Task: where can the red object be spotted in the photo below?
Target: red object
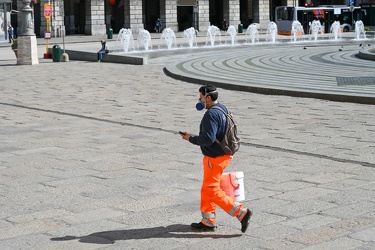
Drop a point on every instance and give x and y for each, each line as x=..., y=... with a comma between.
x=112, y=2
x=47, y=55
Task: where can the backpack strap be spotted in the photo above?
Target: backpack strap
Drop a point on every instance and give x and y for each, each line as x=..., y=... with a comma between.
x=226, y=114
x=222, y=110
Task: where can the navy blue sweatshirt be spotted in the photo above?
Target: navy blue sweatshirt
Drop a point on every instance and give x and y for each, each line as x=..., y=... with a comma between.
x=212, y=126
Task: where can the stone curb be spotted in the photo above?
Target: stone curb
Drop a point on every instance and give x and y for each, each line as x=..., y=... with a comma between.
x=112, y=58
x=368, y=54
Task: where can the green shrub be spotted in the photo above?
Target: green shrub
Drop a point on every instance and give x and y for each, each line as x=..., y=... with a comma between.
x=14, y=44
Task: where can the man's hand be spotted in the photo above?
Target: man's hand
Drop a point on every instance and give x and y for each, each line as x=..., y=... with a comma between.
x=184, y=135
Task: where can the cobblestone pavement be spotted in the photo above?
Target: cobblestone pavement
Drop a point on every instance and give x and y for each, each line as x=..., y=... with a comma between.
x=90, y=158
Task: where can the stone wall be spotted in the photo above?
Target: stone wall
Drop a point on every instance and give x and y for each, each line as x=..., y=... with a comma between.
x=133, y=15
x=234, y=12
x=204, y=15
x=95, y=18
x=262, y=13
x=170, y=7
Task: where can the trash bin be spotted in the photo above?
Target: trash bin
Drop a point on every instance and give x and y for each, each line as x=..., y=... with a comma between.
x=110, y=34
x=56, y=53
x=240, y=28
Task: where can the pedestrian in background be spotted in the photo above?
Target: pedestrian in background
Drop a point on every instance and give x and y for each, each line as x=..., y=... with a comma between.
x=225, y=25
x=10, y=33
x=215, y=160
x=158, y=25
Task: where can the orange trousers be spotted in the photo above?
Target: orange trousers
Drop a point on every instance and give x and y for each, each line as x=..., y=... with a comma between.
x=212, y=194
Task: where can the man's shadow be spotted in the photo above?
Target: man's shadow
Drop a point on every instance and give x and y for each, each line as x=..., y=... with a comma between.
x=172, y=231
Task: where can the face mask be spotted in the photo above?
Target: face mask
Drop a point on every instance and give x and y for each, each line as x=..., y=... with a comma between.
x=200, y=105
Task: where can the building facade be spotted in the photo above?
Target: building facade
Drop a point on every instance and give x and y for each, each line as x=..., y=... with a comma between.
x=95, y=17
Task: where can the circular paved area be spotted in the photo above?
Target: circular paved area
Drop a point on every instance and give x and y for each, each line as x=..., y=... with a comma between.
x=326, y=71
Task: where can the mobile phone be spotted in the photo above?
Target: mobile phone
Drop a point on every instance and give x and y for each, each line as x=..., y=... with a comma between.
x=181, y=133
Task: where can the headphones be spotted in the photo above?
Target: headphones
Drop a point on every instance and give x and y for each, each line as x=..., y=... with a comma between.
x=208, y=93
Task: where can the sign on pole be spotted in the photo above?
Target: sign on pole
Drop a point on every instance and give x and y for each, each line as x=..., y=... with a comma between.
x=47, y=34
x=47, y=10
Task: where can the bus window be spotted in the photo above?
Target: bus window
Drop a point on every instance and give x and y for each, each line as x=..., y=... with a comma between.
x=346, y=18
x=284, y=14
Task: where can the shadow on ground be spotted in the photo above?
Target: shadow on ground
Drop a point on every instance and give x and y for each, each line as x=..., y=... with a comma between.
x=172, y=231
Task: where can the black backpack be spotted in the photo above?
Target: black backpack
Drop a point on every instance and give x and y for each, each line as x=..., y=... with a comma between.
x=231, y=142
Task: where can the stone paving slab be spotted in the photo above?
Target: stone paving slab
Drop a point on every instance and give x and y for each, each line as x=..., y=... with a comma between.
x=355, y=80
x=91, y=159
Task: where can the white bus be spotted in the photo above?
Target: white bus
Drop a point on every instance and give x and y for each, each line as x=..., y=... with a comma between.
x=285, y=15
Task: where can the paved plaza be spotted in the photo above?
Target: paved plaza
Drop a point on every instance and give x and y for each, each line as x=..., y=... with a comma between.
x=91, y=158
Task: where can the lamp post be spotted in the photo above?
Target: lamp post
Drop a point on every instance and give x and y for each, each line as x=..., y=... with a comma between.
x=27, y=28
x=351, y=8
x=64, y=56
x=27, y=46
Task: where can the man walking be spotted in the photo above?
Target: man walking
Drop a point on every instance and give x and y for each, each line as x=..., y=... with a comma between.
x=10, y=33
x=212, y=127
x=158, y=25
